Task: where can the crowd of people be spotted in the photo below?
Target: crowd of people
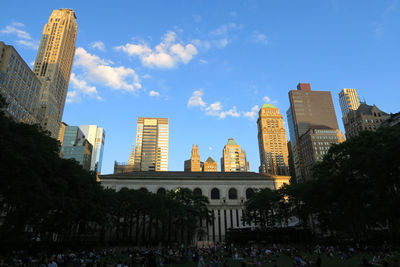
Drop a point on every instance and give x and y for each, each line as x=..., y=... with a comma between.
x=215, y=256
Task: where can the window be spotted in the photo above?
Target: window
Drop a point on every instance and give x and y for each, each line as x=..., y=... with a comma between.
x=161, y=191
x=249, y=193
x=232, y=194
x=197, y=191
x=215, y=193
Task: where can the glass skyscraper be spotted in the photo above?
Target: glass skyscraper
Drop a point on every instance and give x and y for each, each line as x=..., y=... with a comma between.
x=96, y=137
x=75, y=146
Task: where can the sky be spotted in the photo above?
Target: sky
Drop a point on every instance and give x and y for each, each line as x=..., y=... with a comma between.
x=209, y=65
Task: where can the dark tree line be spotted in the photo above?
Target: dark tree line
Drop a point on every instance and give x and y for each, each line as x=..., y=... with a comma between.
x=54, y=199
x=355, y=191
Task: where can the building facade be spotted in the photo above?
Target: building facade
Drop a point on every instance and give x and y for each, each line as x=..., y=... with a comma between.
x=210, y=165
x=307, y=109
x=152, y=144
x=226, y=192
x=18, y=85
x=96, y=137
x=365, y=118
x=193, y=164
x=53, y=66
x=234, y=159
x=272, y=142
x=314, y=144
x=75, y=146
x=348, y=100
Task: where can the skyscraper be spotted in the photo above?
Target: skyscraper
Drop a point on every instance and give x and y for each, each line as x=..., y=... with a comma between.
x=234, y=158
x=18, y=85
x=75, y=146
x=152, y=144
x=272, y=142
x=314, y=144
x=210, y=165
x=194, y=164
x=53, y=66
x=365, y=118
x=96, y=137
x=348, y=100
x=308, y=109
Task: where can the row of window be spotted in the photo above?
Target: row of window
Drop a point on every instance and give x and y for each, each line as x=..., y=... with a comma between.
x=215, y=193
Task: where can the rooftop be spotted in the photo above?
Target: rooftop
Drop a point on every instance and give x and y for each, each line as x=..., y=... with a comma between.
x=231, y=142
x=181, y=175
x=268, y=106
x=210, y=160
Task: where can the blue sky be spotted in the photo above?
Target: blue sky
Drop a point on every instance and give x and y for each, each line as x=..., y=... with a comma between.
x=207, y=65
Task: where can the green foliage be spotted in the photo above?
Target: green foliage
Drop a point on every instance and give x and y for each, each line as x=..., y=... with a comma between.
x=354, y=190
x=44, y=195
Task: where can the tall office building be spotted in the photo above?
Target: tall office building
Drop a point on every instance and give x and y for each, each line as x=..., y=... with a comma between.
x=314, y=144
x=272, y=142
x=75, y=146
x=308, y=109
x=53, y=66
x=18, y=85
x=152, y=144
x=96, y=137
x=348, y=100
x=234, y=159
x=365, y=118
x=210, y=165
x=193, y=164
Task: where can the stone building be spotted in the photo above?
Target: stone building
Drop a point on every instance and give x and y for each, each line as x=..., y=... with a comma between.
x=365, y=118
x=272, y=142
x=226, y=192
x=194, y=164
x=210, y=165
x=18, y=85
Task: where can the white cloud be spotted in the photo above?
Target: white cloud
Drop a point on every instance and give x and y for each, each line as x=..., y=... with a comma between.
x=18, y=24
x=196, y=99
x=215, y=109
x=225, y=28
x=221, y=43
x=154, y=93
x=232, y=112
x=167, y=54
x=18, y=32
x=259, y=37
x=24, y=38
x=29, y=43
x=73, y=96
x=203, y=61
x=210, y=148
x=268, y=100
x=253, y=113
x=81, y=86
x=99, y=70
x=146, y=76
x=98, y=45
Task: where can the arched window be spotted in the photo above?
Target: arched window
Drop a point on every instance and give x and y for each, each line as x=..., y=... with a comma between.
x=197, y=191
x=232, y=194
x=249, y=193
x=161, y=191
x=215, y=193
x=143, y=189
